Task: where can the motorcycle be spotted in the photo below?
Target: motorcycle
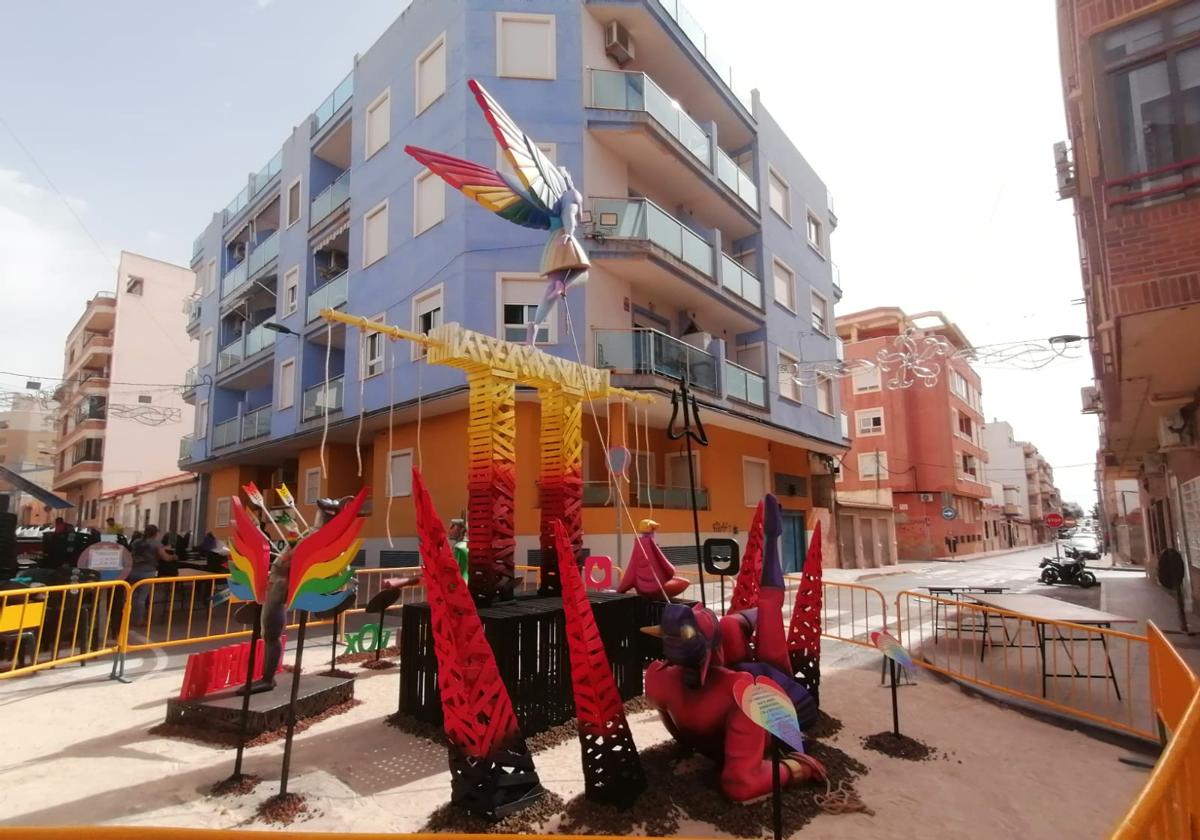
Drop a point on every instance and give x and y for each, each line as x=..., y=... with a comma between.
x=1070, y=571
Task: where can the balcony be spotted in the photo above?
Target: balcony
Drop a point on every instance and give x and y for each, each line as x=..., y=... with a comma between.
x=641, y=220
x=240, y=275
x=742, y=282
x=258, y=182
x=265, y=175
x=330, y=296
x=234, y=279
x=256, y=423
x=226, y=433
x=745, y=385
x=238, y=204
x=329, y=199
x=245, y=347
x=323, y=399
x=652, y=353
x=671, y=498
x=97, y=349
x=191, y=310
x=185, y=449
x=620, y=90
x=333, y=103
x=197, y=246
x=837, y=281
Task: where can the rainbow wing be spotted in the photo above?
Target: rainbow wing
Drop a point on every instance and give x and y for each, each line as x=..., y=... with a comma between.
x=490, y=189
x=891, y=648
x=321, y=561
x=249, y=557
x=541, y=177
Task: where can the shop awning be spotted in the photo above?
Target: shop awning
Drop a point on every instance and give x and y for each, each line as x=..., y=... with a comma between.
x=47, y=498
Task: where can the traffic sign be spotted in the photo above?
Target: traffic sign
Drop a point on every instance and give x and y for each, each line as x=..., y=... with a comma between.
x=1054, y=520
x=949, y=513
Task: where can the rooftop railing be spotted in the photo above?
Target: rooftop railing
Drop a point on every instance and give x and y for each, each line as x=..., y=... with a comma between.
x=333, y=103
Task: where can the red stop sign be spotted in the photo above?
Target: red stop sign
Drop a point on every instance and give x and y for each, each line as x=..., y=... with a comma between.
x=1054, y=520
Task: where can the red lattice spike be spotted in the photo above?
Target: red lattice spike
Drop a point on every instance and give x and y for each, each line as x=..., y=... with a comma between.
x=804, y=635
x=745, y=591
x=612, y=770
x=478, y=711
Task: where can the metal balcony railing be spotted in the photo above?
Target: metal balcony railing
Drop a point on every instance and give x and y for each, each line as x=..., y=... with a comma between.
x=333, y=103
x=330, y=296
x=256, y=423
x=329, y=199
x=643, y=351
x=322, y=399
x=742, y=282
x=642, y=219
x=745, y=385
x=226, y=433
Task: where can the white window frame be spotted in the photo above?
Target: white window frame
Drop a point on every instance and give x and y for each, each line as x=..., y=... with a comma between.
x=383, y=100
x=365, y=361
x=551, y=323
x=392, y=456
x=288, y=363
x=208, y=348
x=311, y=498
x=766, y=465
x=810, y=220
x=782, y=357
x=814, y=296
x=879, y=469
x=423, y=176
x=825, y=385
x=438, y=292
x=787, y=195
x=865, y=414
x=291, y=280
x=225, y=504
x=287, y=201
x=439, y=41
x=789, y=305
x=871, y=388
x=202, y=420
x=501, y=17
x=381, y=207
x=674, y=456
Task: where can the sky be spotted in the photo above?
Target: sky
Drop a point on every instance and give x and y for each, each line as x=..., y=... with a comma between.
x=126, y=124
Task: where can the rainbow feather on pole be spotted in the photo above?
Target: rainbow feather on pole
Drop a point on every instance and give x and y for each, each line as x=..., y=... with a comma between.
x=320, y=563
x=892, y=649
x=249, y=557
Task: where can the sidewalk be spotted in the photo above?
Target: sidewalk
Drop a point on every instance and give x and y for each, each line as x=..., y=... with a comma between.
x=860, y=575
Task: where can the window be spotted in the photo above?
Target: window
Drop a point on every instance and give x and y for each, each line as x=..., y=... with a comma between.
x=820, y=314
x=869, y=421
x=525, y=46
x=677, y=469
x=210, y=277
x=866, y=380
x=429, y=202
x=1153, y=72
x=520, y=297
x=550, y=150
x=135, y=286
x=824, y=395
x=965, y=427
x=312, y=485
x=431, y=73
x=372, y=348
x=379, y=122
x=779, y=196
x=287, y=383
x=206, y=347
x=814, y=233
x=427, y=314
x=958, y=385
x=222, y=512
x=291, y=290
x=785, y=285
x=968, y=466
x=400, y=473
x=293, y=203
x=375, y=234
x=202, y=419
x=754, y=481
x=872, y=465
x=789, y=388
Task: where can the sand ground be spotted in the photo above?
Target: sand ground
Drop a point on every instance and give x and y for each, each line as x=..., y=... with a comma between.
x=77, y=751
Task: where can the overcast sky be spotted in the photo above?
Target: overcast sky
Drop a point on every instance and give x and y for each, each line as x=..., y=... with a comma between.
x=936, y=143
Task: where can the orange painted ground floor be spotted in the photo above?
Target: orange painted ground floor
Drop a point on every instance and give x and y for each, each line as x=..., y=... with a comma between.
x=732, y=474
x=930, y=525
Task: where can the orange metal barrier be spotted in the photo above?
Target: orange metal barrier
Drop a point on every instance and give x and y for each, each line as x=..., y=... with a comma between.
x=42, y=627
x=1172, y=683
x=850, y=612
x=1053, y=664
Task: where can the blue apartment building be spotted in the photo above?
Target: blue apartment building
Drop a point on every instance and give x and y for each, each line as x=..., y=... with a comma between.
x=708, y=231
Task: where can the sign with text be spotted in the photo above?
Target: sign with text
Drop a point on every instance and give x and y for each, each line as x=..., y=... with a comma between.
x=1054, y=520
x=765, y=703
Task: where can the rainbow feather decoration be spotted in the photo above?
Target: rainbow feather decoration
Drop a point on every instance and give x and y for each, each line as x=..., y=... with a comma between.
x=320, y=563
x=892, y=649
x=249, y=557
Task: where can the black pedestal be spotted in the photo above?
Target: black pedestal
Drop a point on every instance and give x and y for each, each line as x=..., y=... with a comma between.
x=268, y=710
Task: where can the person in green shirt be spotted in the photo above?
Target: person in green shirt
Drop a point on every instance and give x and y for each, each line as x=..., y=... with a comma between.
x=457, y=534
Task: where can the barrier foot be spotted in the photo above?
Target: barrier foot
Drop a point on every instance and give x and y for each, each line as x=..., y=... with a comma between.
x=118, y=670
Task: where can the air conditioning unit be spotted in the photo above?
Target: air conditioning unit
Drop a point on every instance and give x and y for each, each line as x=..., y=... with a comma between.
x=926, y=497
x=239, y=251
x=618, y=43
x=1168, y=437
x=1090, y=396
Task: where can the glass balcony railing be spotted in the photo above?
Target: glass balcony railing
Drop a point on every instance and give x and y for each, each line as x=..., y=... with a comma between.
x=626, y=91
x=259, y=338
x=230, y=355
x=238, y=204
x=696, y=34
x=226, y=433
x=191, y=378
x=330, y=199
x=333, y=103
x=191, y=308
x=269, y=171
x=641, y=219
x=185, y=448
x=239, y=349
x=234, y=279
x=330, y=296
x=266, y=251
x=742, y=282
x=197, y=246
x=745, y=385
x=256, y=423
x=671, y=498
x=734, y=177
x=322, y=399
x=643, y=351
x=837, y=279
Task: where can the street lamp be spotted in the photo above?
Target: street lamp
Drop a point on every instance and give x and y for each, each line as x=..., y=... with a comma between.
x=280, y=328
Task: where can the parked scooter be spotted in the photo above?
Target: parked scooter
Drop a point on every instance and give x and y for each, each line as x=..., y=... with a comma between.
x=1071, y=571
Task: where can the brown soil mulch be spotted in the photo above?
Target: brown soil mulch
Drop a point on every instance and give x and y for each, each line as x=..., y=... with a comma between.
x=826, y=727
x=339, y=673
x=900, y=746
x=218, y=738
x=235, y=787
x=353, y=658
x=448, y=819
x=283, y=809
x=379, y=665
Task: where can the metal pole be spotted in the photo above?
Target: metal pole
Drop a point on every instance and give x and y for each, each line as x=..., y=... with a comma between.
x=695, y=519
x=776, y=789
x=245, y=720
x=291, y=724
x=895, y=705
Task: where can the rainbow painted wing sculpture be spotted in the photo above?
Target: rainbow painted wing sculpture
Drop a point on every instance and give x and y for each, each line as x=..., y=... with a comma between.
x=320, y=563
x=531, y=200
x=249, y=557
x=891, y=648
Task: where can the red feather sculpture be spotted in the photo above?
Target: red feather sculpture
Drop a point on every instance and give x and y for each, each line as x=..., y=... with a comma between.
x=745, y=591
x=804, y=634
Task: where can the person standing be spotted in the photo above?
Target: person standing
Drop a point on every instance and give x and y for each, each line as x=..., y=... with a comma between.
x=147, y=553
